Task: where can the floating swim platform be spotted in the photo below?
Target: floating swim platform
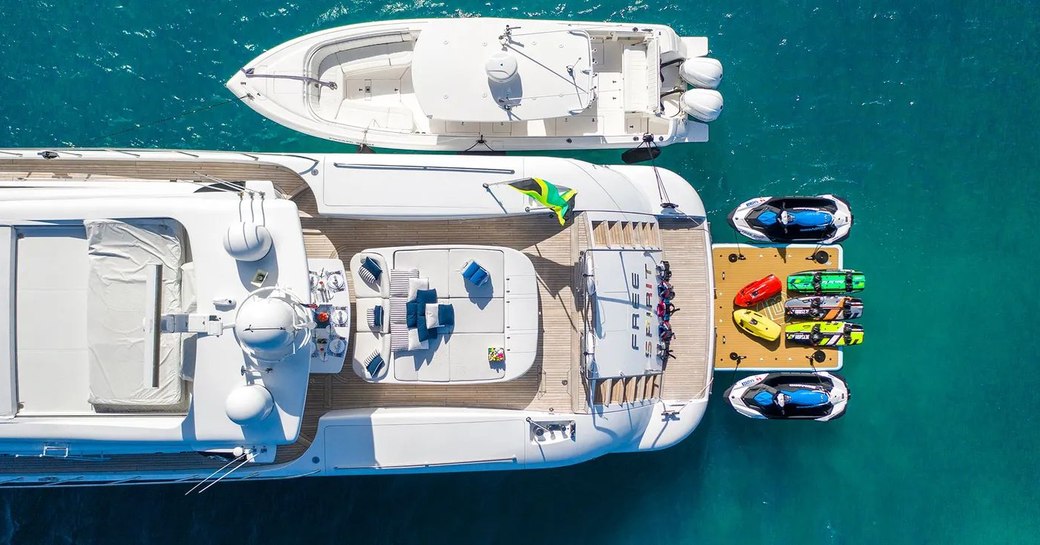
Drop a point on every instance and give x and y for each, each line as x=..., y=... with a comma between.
x=735, y=266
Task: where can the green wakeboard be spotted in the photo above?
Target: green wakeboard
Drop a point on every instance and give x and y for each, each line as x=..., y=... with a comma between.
x=827, y=281
x=824, y=333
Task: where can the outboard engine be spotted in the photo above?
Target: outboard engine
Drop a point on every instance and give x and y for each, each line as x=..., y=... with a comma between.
x=702, y=72
x=704, y=105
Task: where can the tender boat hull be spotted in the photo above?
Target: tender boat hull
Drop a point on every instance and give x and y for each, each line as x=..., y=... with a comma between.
x=364, y=84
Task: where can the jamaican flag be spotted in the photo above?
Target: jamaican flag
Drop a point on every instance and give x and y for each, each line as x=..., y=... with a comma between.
x=548, y=195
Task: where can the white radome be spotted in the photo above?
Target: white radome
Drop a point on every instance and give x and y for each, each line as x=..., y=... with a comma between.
x=249, y=404
x=266, y=327
x=247, y=241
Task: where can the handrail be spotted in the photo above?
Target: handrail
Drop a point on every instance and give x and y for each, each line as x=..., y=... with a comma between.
x=136, y=480
x=511, y=459
x=431, y=168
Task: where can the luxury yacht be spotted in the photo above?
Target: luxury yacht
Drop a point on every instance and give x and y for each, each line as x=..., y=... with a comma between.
x=488, y=84
x=204, y=317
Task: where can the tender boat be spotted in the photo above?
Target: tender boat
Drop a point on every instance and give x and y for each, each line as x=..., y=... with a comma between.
x=206, y=317
x=830, y=281
x=825, y=219
x=756, y=324
x=824, y=307
x=487, y=84
x=824, y=333
x=758, y=291
x=793, y=396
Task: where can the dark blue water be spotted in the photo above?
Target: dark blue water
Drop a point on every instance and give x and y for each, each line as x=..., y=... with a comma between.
x=924, y=115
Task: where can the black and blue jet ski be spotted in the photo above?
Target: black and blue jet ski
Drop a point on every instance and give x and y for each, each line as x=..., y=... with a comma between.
x=796, y=396
x=825, y=219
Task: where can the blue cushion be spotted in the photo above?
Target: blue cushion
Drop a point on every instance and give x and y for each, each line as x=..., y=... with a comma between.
x=446, y=315
x=375, y=363
x=411, y=313
x=763, y=399
x=372, y=267
x=377, y=316
x=423, y=297
x=806, y=398
x=423, y=332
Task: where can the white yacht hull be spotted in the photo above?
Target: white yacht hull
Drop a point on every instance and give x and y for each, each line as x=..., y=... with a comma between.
x=392, y=436
x=354, y=84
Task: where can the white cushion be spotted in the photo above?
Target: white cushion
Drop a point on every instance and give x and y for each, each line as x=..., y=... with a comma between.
x=365, y=289
x=416, y=284
x=398, y=311
x=413, y=340
x=432, y=263
x=399, y=336
x=399, y=280
x=432, y=316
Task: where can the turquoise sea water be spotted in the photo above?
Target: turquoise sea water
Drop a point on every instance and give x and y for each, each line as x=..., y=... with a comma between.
x=924, y=115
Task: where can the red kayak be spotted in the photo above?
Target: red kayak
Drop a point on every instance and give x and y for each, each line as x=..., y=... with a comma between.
x=758, y=291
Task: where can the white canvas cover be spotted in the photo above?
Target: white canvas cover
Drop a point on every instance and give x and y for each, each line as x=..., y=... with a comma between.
x=120, y=253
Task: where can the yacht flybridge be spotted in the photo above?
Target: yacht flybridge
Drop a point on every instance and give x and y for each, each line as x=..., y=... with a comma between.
x=488, y=84
x=175, y=316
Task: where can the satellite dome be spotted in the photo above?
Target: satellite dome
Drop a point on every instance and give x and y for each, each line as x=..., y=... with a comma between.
x=269, y=327
x=248, y=404
x=247, y=241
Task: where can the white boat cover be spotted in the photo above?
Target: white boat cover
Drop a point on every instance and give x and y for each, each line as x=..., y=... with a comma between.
x=120, y=253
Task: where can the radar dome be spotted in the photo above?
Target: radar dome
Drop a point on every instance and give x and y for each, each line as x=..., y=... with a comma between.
x=248, y=404
x=268, y=327
x=247, y=241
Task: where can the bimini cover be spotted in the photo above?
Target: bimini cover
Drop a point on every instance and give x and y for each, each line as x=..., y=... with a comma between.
x=122, y=257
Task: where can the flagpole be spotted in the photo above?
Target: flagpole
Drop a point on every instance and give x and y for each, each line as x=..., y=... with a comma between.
x=487, y=185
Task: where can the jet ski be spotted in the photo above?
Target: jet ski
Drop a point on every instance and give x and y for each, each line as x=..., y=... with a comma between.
x=756, y=324
x=825, y=219
x=824, y=333
x=824, y=307
x=794, y=396
x=758, y=291
x=832, y=281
